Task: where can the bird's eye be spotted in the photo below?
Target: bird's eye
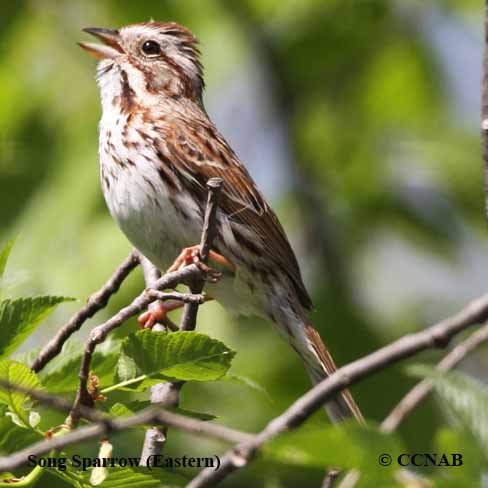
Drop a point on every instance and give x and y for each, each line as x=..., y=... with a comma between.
x=151, y=48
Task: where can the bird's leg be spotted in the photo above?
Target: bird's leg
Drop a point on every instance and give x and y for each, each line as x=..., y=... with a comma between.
x=158, y=313
x=191, y=255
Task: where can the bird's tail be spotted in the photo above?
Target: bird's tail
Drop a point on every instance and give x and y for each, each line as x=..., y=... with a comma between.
x=319, y=365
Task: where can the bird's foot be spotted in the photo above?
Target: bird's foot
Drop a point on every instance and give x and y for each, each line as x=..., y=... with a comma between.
x=191, y=255
x=157, y=313
x=187, y=256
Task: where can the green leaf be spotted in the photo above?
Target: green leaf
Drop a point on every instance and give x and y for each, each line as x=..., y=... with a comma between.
x=351, y=446
x=18, y=374
x=464, y=400
x=469, y=473
x=121, y=409
x=21, y=316
x=13, y=437
x=4, y=254
x=142, y=478
x=126, y=367
x=118, y=477
x=61, y=375
x=187, y=356
x=6, y=476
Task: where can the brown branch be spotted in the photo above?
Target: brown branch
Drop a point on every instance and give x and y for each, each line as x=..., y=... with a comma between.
x=174, y=295
x=151, y=275
x=96, y=302
x=193, y=275
x=99, y=333
x=437, y=335
x=168, y=394
x=155, y=436
x=106, y=425
x=422, y=389
x=330, y=478
x=214, y=185
x=56, y=402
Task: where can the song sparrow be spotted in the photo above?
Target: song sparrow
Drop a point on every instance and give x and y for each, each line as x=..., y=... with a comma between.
x=158, y=148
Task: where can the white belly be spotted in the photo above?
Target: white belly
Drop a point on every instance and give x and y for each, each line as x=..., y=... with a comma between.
x=146, y=215
x=139, y=201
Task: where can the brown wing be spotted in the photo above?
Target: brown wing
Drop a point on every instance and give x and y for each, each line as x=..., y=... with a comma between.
x=199, y=152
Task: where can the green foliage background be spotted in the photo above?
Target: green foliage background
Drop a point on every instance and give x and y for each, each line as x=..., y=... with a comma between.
x=365, y=107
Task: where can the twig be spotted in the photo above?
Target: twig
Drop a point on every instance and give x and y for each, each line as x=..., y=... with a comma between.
x=150, y=415
x=186, y=275
x=56, y=402
x=155, y=436
x=330, y=478
x=174, y=295
x=99, y=333
x=437, y=335
x=209, y=230
x=96, y=302
x=151, y=275
x=421, y=390
x=168, y=394
x=424, y=387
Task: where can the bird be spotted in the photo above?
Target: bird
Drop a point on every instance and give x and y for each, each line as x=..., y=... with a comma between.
x=157, y=150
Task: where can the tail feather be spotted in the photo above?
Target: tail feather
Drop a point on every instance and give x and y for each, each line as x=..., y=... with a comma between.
x=292, y=322
x=343, y=406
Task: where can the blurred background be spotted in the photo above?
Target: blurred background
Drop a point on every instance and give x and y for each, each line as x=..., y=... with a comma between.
x=359, y=120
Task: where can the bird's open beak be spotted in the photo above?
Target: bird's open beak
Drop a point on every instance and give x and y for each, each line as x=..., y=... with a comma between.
x=111, y=43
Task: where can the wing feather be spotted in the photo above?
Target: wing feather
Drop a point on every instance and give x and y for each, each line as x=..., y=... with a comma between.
x=199, y=152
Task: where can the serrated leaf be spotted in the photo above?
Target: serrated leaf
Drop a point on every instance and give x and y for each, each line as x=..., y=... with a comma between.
x=17, y=374
x=351, y=446
x=142, y=478
x=464, y=400
x=21, y=316
x=4, y=254
x=187, y=356
x=62, y=376
x=139, y=477
x=12, y=437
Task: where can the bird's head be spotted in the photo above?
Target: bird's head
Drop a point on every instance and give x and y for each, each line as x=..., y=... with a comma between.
x=151, y=59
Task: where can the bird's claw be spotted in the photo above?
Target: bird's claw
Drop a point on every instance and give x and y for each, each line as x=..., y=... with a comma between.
x=157, y=313
x=191, y=255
